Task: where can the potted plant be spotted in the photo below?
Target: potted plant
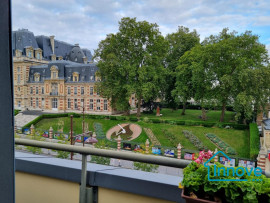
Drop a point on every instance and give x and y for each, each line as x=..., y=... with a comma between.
x=198, y=188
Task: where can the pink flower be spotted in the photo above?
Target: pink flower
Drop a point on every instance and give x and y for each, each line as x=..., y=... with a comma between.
x=198, y=161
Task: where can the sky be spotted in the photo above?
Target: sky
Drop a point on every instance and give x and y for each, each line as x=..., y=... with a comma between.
x=87, y=22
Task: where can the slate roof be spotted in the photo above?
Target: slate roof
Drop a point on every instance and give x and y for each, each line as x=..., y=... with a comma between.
x=266, y=124
x=23, y=38
x=65, y=71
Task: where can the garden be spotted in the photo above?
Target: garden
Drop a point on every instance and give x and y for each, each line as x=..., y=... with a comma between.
x=167, y=131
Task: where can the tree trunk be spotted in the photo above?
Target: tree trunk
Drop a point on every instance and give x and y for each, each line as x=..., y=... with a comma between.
x=184, y=108
x=139, y=106
x=203, y=114
x=127, y=112
x=223, y=112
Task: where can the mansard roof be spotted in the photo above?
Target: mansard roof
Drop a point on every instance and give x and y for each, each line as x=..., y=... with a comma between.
x=23, y=38
x=65, y=71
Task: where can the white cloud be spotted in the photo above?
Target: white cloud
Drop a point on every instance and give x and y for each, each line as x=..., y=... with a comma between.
x=88, y=22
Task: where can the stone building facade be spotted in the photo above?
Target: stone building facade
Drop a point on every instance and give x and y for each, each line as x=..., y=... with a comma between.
x=264, y=154
x=54, y=75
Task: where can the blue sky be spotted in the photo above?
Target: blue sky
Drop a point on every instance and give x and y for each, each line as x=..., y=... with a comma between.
x=88, y=21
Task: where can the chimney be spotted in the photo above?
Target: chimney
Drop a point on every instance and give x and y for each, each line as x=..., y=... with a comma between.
x=52, y=42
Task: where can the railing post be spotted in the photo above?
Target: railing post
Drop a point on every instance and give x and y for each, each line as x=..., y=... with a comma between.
x=83, y=179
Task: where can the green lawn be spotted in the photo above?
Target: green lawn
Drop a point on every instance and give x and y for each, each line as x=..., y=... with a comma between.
x=191, y=114
x=238, y=139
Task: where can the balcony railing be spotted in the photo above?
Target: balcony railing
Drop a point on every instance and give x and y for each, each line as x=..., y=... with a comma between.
x=84, y=151
x=54, y=93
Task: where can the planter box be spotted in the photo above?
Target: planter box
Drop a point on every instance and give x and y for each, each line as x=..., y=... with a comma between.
x=192, y=200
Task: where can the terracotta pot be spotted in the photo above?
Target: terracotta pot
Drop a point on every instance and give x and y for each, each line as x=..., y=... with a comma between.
x=192, y=200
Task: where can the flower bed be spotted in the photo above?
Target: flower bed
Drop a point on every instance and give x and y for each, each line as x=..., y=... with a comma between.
x=99, y=131
x=220, y=143
x=194, y=140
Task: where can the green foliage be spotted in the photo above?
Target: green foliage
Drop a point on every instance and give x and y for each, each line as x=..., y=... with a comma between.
x=196, y=180
x=99, y=159
x=194, y=140
x=130, y=61
x=254, y=140
x=221, y=144
x=179, y=42
x=145, y=167
x=16, y=111
x=133, y=119
x=35, y=150
x=99, y=131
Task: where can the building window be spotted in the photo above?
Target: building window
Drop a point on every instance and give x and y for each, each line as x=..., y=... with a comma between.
x=19, y=89
x=69, y=90
x=31, y=90
x=19, y=70
x=91, y=90
x=75, y=77
x=37, y=103
x=98, y=104
x=92, y=78
x=98, y=92
x=54, y=72
x=82, y=90
x=105, y=108
x=31, y=101
x=75, y=90
x=69, y=103
x=54, y=103
x=19, y=104
x=38, y=55
x=91, y=104
x=82, y=102
x=42, y=90
x=18, y=78
x=29, y=54
x=37, y=77
x=75, y=104
x=36, y=90
x=54, y=88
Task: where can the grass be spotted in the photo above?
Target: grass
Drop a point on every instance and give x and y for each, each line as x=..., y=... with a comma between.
x=237, y=139
x=45, y=124
x=191, y=114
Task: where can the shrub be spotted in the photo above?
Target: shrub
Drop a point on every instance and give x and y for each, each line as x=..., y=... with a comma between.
x=194, y=140
x=99, y=131
x=133, y=119
x=146, y=120
x=254, y=140
x=155, y=120
x=120, y=118
x=112, y=117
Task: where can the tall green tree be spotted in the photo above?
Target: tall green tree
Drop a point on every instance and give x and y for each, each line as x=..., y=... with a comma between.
x=131, y=61
x=229, y=57
x=179, y=42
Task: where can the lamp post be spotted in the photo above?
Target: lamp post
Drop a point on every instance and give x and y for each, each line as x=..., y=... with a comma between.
x=71, y=135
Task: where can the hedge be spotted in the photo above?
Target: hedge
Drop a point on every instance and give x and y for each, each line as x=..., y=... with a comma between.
x=254, y=140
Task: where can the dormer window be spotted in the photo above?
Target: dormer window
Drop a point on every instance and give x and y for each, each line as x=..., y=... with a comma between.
x=38, y=55
x=54, y=72
x=37, y=77
x=29, y=54
x=75, y=77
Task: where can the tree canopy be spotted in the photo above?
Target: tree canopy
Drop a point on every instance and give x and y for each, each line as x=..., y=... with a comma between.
x=130, y=61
